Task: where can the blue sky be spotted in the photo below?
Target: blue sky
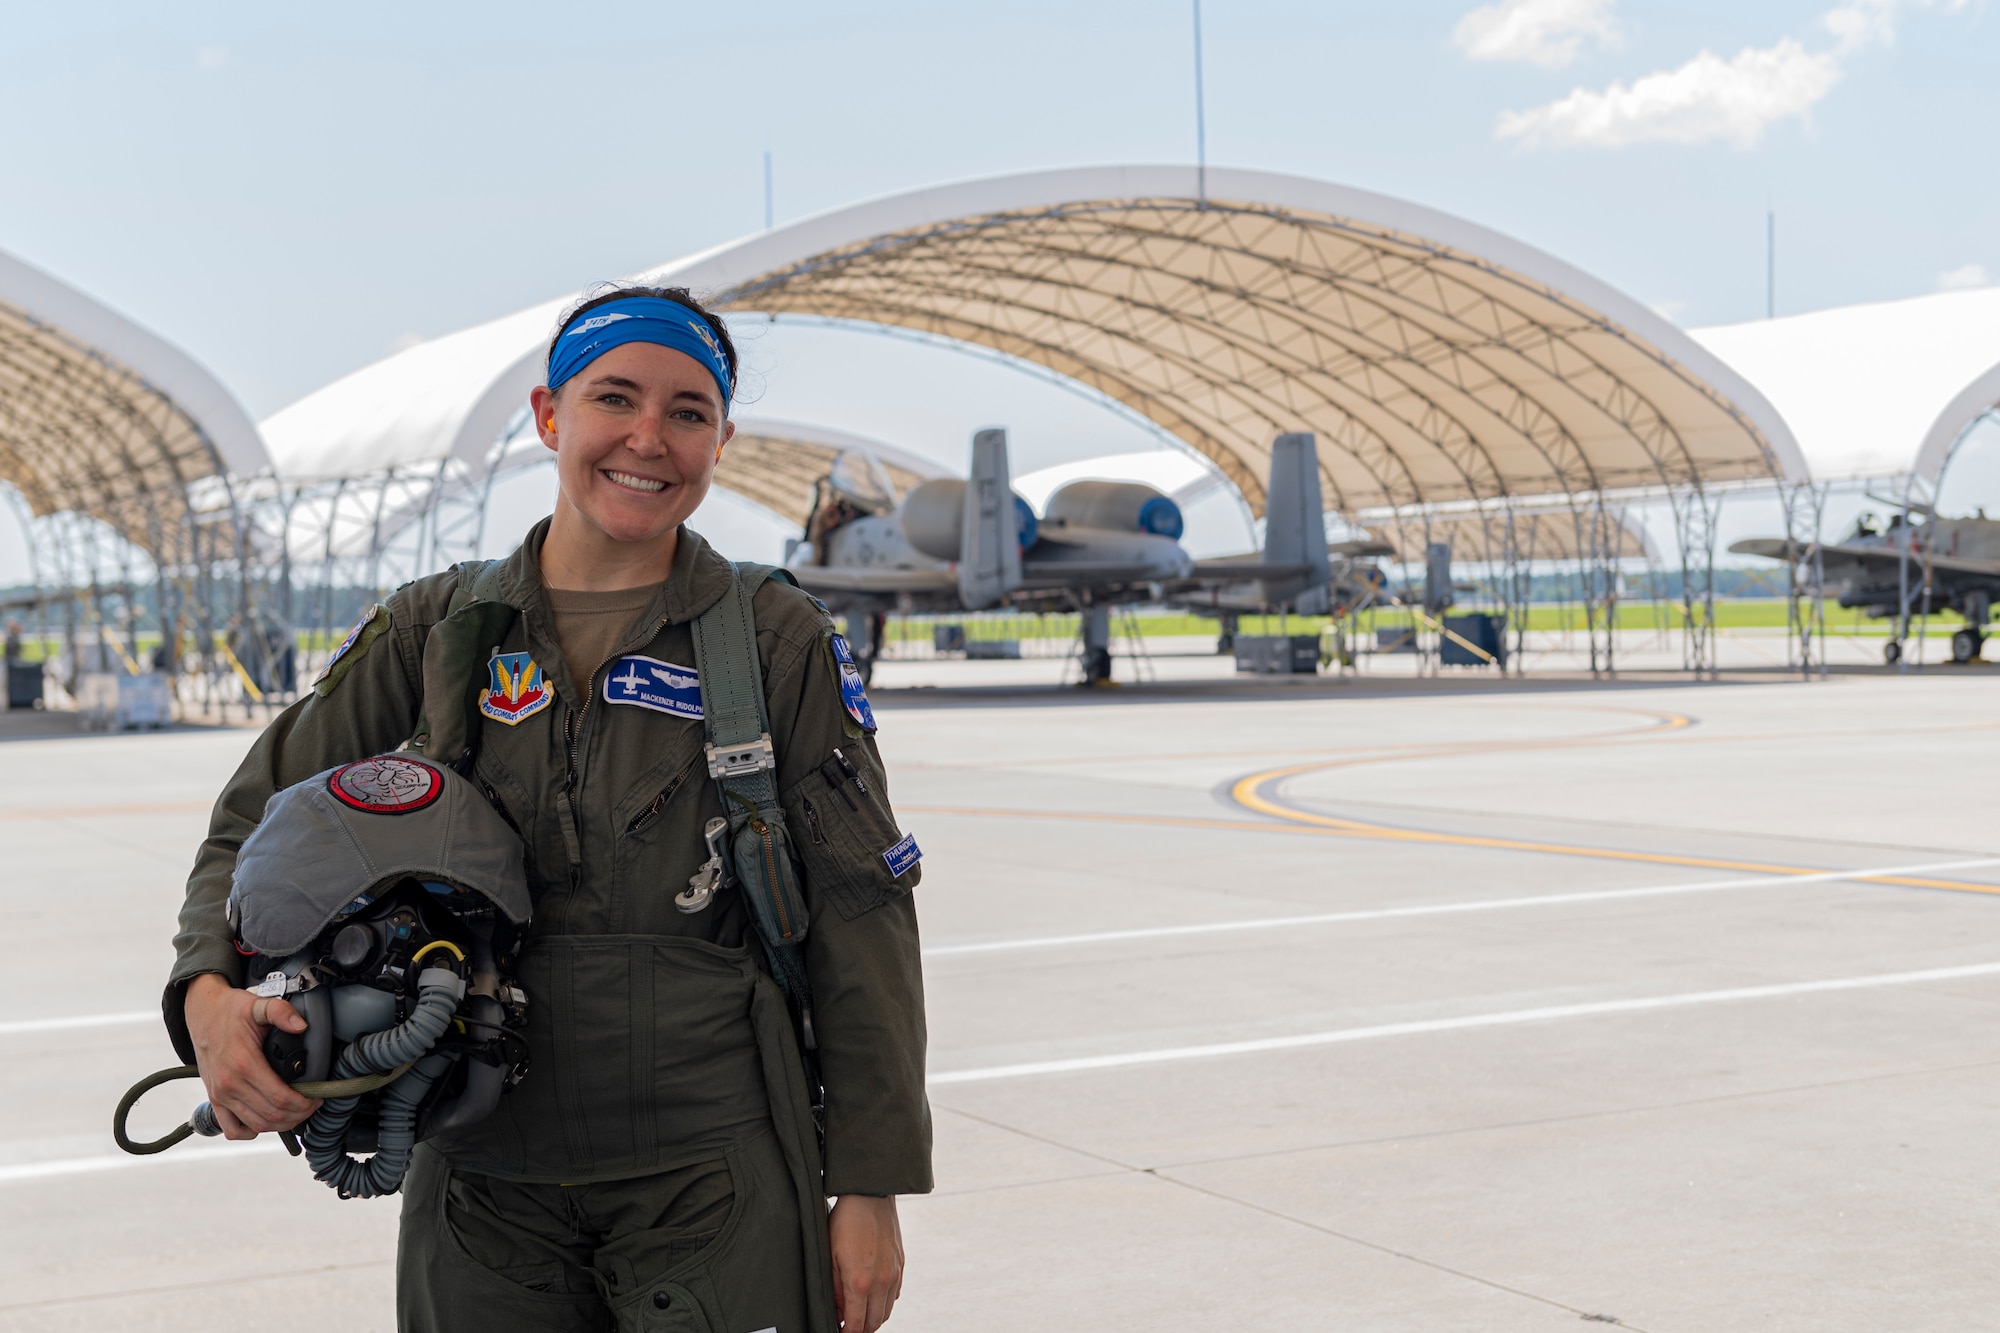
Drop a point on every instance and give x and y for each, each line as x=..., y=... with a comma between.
x=286, y=192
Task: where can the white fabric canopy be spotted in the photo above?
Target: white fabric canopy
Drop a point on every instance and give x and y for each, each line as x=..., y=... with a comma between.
x=101, y=417
x=1434, y=359
x=1874, y=390
x=446, y=398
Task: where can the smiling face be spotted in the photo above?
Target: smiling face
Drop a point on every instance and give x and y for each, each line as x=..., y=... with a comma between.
x=637, y=434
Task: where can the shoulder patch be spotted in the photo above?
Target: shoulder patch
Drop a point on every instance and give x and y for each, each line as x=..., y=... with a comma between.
x=853, y=694
x=903, y=855
x=374, y=623
x=647, y=682
x=515, y=689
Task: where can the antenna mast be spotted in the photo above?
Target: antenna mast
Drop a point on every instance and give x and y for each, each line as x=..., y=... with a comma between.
x=1200, y=118
x=1770, y=263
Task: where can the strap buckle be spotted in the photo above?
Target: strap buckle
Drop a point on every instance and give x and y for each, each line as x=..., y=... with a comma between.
x=735, y=761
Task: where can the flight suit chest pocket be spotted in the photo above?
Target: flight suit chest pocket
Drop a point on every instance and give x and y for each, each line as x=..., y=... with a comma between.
x=657, y=828
x=840, y=821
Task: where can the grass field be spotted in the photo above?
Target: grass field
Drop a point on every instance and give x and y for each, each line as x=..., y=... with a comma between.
x=1748, y=613
x=1745, y=613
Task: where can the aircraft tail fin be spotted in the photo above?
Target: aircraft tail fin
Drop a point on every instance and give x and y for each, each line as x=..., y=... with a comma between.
x=1294, y=525
x=989, y=555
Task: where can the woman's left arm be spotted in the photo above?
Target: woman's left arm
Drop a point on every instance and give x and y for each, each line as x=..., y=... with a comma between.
x=863, y=962
x=862, y=953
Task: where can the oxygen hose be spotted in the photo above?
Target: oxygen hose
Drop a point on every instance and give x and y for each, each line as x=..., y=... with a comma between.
x=439, y=991
x=372, y=1062
x=203, y=1120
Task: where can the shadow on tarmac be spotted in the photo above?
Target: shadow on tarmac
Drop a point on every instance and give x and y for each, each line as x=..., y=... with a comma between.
x=44, y=724
x=1270, y=689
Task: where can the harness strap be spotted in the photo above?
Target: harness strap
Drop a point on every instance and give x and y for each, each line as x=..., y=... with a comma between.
x=744, y=766
x=740, y=756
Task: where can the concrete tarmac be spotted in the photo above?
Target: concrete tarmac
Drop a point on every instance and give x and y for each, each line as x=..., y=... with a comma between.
x=1389, y=1005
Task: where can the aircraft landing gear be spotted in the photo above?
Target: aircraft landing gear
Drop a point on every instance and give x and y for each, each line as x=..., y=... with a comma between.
x=1096, y=648
x=1966, y=645
x=1892, y=652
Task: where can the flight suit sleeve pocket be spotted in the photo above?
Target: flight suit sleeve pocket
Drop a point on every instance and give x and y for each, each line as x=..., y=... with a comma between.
x=854, y=854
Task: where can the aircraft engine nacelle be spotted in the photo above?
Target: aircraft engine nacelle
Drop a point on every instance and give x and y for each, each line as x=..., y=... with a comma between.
x=1115, y=506
x=934, y=518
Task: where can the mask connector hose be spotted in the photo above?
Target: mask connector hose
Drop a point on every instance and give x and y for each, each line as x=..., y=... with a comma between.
x=202, y=1121
x=439, y=991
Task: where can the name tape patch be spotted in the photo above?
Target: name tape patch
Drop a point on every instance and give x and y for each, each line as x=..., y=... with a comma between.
x=853, y=693
x=647, y=682
x=903, y=855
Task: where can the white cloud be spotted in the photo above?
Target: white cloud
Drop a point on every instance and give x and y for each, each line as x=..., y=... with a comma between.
x=1964, y=278
x=1549, y=33
x=1862, y=23
x=1709, y=98
x=212, y=57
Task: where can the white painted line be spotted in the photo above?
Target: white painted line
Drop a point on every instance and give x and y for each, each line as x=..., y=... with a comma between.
x=23, y=1027
x=1460, y=1023
x=75, y=1166
x=1441, y=909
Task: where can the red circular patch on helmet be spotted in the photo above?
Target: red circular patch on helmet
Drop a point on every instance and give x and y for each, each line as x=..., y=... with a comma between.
x=386, y=785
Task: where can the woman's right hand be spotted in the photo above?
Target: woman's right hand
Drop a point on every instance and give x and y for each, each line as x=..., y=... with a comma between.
x=228, y=1027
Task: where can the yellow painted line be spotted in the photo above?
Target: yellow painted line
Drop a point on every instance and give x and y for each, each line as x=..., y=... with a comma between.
x=1249, y=792
x=1303, y=825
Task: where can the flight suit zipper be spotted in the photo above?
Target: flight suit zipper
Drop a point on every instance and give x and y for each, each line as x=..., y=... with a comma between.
x=573, y=727
x=767, y=865
x=812, y=820
x=651, y=812
x=573, y=734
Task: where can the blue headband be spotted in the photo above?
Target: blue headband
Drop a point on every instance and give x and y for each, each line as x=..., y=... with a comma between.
x=637, y=319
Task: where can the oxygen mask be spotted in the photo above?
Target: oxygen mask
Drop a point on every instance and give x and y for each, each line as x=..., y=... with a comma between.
x=385, y=901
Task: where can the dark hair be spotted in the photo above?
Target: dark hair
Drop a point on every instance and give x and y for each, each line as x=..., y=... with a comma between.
x=678, y=295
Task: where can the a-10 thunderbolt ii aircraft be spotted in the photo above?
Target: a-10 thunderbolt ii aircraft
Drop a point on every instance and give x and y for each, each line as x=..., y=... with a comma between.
x=1882, y=570
x=973, y=545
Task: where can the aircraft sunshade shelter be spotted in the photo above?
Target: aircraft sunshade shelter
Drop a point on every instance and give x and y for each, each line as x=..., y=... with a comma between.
x=1435, y=360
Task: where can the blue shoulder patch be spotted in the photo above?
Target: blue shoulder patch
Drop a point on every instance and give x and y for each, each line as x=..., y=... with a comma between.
x=852, y=692
x=903, y=855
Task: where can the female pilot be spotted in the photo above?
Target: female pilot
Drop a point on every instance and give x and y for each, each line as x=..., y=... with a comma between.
x=659, y=1165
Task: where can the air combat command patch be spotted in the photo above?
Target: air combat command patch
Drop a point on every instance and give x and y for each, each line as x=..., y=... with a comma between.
x=515, y=689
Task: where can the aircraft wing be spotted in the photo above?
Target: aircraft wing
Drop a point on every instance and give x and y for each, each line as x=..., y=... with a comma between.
x=848, y=578
x=1869, y=557
x=1771, y=548
x=1240, y=569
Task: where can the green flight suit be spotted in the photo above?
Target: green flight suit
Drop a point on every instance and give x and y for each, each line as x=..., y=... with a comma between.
x=658, y=1043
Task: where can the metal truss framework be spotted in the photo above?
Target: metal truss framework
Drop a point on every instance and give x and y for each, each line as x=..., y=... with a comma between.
x=1438, y=364
x=129, y=510
x=1587, y=539
x=1429, y=375
x=1432, y=376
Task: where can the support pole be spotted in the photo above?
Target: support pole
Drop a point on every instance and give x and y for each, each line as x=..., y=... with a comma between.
x=1200, y=118
x=1096, y=632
